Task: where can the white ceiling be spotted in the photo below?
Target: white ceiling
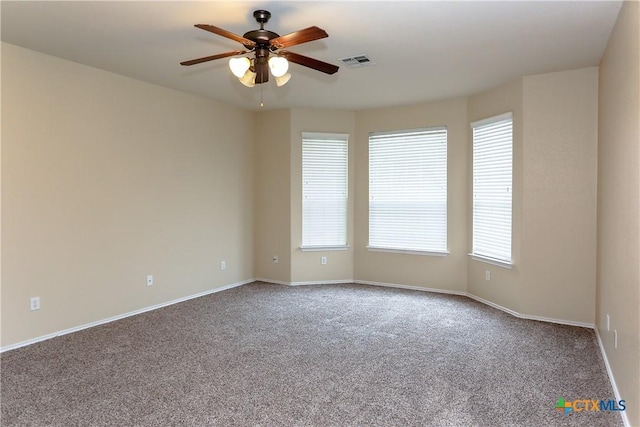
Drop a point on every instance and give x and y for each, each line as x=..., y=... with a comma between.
x=423, y=50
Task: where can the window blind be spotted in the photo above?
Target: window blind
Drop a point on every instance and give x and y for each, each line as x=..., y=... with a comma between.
x=492, y=187
x=408, y=190
x=324, y=190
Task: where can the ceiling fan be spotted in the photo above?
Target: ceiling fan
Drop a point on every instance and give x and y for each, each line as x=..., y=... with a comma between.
x=266, y=46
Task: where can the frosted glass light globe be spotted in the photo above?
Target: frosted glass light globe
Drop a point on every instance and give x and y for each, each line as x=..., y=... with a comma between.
x=282, y=80
x=239, y=66
x=249, y=79
x=278, y=65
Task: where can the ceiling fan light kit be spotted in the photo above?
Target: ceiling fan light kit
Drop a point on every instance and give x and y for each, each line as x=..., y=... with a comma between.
x=282, y=80
x=263, y=43
x=278, y=66
x=239, y=66
x=248, y=79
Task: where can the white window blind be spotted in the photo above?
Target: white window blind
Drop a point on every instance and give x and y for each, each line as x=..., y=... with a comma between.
x=324, y=190
x=408, y=190
x=492, y=187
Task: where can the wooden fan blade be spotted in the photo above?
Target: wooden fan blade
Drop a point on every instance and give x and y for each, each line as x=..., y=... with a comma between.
x=227, y=34
x=212, y=57
x=310, y=62
x=299, y=37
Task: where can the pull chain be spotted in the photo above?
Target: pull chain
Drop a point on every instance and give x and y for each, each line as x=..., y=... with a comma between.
x=261, y=96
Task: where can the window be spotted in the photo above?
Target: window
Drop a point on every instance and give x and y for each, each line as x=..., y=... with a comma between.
x=408, y=191
x=324, y=190
x=492, y=188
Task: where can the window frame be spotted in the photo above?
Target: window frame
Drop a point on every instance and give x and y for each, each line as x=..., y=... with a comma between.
x=482, y=254
x=433, y=134
x=317, y=137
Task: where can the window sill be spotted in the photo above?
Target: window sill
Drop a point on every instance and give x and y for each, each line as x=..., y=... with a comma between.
x=492, y=261
x=407, y=251
x=324, y=248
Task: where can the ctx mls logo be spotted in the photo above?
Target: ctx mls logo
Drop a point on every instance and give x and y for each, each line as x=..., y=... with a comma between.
x=589, y=405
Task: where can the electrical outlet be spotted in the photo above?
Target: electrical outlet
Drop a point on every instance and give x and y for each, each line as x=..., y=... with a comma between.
x=323, y=260
x=35, y=303
x=608, y=323
x=615, y=338
x=223, y=265
x=275, y=259
x=149, y=280
x=487, y=276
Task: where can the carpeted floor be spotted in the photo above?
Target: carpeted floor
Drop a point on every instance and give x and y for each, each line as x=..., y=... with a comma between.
x=330, y=355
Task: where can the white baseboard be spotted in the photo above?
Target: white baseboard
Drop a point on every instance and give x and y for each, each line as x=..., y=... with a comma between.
x=558, y=321
x=623, y=414
x=322, y=282
x=625, y=418
x=309, y=283
x=530, y=317
x=494, y=305
x=121, y=316
x=273, y=281
x=483, y=301
x=412, y=288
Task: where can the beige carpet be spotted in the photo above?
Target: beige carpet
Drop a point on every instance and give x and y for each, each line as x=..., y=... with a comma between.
x=330, y=355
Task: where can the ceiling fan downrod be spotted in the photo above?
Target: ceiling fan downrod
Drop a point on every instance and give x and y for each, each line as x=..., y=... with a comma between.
x=262, y=16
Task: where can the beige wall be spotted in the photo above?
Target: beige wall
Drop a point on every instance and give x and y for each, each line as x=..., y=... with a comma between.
x=105, y=180
x=505, y=285
x=272, y=195
x=278, y=182
x=306, y=266
x=448, y=273
x=1, y=198
x=145, y=165
x=618, y=268
x=554, y=196
x=560, y=128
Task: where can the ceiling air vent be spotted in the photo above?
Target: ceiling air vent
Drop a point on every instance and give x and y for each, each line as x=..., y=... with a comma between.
x=357, y=61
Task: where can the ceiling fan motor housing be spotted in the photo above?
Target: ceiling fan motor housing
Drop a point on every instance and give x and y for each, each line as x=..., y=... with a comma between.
x=261, y=37
x=261, y=64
